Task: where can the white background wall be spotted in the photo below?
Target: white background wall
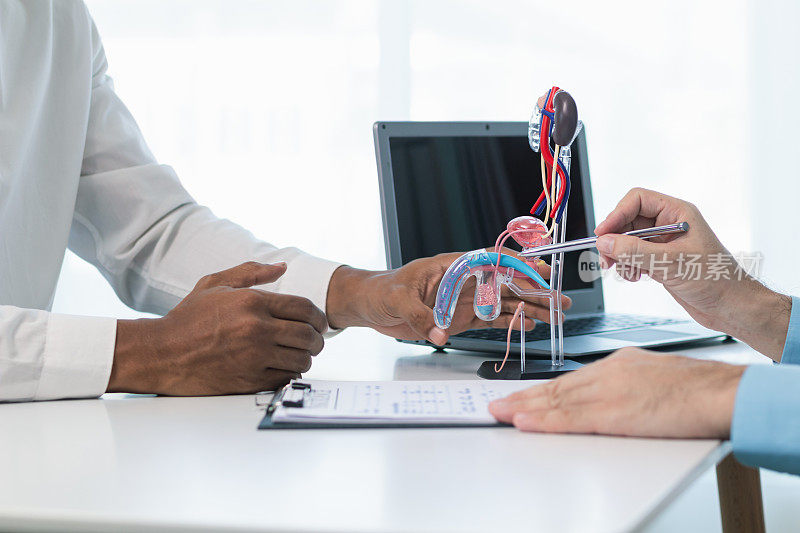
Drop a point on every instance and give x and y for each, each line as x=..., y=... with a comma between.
x=255, y=101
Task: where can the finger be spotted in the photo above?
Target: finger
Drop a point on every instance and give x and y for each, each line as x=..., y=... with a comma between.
x=625, y=248
x=629, y=273
x=541, y=313
x=541, y=267
x=606, y=262
x=540, y=389
x=296, y=308
x=500, y=322
x=523, y=281
x=504, y=409
x=566, y=394
x=274, y=379
x=549, y=396
x=290, y=359
x=503, y=321
x=419, y=318
x=301, y=336
x=509, y=304
x=561, y=386
x=537, y=264
x=510, y=300
x=244, y=275
x=637, y=203
x=556, y=421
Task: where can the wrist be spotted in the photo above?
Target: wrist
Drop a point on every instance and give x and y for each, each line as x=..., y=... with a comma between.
x=135, y=357
x=719, y=397
x=348, y=294
x=759, y=317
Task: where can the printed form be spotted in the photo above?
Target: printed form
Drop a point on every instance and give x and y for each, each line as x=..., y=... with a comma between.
x=396, y=401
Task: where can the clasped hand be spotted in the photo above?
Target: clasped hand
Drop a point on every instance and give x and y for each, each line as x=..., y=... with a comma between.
x=225, y=337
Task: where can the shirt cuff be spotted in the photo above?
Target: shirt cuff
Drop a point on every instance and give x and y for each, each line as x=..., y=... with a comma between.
x=78, y=354
x=764, y=431
x=791, y=349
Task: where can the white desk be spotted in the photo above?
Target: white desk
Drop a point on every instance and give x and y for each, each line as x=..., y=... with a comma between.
x=127, y=463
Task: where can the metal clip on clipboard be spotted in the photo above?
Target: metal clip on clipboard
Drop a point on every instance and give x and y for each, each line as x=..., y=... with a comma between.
x=291, y=395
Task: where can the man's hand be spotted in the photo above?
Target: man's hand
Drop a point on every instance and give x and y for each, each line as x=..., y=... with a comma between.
x=400, y=302
x=223, y=338
x=632, y=392
x=731, y=301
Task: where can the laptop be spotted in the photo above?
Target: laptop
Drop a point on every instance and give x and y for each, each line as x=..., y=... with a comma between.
x=453, y=186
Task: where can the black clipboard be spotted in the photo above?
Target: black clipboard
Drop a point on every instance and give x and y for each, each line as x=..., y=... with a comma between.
x=291, y=389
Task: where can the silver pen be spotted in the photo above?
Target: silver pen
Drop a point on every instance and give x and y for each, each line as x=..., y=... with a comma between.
x=589, y=242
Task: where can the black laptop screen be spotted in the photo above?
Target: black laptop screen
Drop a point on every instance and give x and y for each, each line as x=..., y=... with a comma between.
x=458, y=193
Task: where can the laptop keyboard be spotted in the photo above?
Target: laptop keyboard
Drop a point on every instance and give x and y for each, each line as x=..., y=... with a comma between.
x=572, y=327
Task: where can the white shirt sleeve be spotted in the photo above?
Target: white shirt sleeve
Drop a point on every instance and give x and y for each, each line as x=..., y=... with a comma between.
x=134, y=221
x=48, y=356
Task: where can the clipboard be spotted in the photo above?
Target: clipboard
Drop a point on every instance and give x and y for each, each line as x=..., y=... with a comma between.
x=385, y=404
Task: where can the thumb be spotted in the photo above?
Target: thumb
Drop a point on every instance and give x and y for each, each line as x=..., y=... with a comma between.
x=627, y=249
x=244, y=275
x=419, y=318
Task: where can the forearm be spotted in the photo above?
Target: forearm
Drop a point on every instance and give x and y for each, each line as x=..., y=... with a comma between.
x=757, y=316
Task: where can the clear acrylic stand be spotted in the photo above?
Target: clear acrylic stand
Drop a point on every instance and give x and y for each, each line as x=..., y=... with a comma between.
x=541, y=369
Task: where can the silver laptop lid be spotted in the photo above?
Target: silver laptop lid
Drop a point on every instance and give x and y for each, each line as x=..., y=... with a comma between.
x=453, y=186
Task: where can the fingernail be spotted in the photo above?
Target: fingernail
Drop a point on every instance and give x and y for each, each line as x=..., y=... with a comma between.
x=437, y=336
x=279, y=263
x=605, y=244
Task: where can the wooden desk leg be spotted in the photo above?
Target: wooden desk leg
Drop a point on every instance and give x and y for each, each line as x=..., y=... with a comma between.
x=740, y=502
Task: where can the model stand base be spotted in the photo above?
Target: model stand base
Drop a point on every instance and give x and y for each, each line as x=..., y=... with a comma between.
x=534, y=369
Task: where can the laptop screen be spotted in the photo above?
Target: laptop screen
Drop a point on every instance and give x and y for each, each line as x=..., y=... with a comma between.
x=458, y=194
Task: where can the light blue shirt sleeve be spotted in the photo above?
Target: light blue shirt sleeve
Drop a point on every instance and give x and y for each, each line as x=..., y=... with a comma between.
x=766, y=418
x=791, y=350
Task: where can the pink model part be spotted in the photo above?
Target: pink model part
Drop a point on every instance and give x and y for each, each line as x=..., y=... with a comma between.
x=485, y=294
x=519, y=311
x=528, y=231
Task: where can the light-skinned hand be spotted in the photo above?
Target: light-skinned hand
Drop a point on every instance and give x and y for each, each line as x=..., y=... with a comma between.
x=632, y=392
x=695, y=268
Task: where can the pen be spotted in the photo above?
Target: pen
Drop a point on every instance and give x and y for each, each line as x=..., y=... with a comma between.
x=589, y=242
